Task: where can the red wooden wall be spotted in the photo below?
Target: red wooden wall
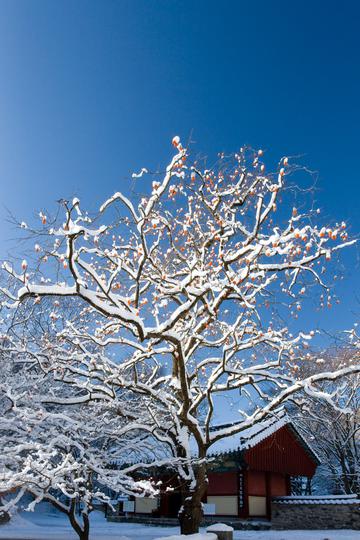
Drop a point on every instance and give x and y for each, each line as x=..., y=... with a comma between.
x=223, y=483
x=256, y=483
x=281, y=453
x=278, y=485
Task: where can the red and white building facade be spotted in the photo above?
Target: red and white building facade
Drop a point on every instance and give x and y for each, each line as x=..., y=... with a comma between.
x=244, y=479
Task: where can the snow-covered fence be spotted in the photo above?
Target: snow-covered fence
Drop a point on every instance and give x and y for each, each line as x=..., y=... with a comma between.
x=324, y=512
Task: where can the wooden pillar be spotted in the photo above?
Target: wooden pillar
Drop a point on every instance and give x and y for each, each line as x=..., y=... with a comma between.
x=268, y=494
x=288, y=484
x=244, y=511
x=240, y=492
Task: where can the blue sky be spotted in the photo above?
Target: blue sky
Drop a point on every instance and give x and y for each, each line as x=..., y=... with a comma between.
x=91, y=91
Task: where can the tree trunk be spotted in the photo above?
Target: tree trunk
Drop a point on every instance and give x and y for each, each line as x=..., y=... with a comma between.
x=81, y=531
x=84, y=535
x=191, y=513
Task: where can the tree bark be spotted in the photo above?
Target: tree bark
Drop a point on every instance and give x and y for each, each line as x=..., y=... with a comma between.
x=84, y=535
x=191, y=513
x=86, y=528
x=81, y=531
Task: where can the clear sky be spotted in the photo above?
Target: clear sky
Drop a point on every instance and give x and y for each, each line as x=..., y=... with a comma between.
x=92, y=90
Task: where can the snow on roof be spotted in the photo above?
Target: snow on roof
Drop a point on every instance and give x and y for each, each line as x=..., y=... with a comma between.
x=318, y=499
x=250, y=437
x=257, y=433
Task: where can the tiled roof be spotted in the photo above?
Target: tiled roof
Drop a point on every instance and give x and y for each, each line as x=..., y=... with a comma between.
x=318, y=499
x=250, y=437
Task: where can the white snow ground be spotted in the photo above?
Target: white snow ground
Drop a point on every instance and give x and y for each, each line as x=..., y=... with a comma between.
x=51, y=525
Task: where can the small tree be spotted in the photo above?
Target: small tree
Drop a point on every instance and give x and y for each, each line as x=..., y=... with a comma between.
x=189, y=289
x=334, y=427
x=58, y=453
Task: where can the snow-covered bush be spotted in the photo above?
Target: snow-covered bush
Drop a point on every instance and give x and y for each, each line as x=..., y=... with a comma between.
x=60, y=453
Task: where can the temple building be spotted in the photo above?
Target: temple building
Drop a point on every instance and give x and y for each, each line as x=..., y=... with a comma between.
x=245, y=474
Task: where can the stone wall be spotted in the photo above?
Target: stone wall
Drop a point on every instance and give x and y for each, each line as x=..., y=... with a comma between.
x=315, y=513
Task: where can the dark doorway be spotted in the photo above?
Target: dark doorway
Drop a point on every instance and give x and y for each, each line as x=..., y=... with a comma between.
x=174, y=504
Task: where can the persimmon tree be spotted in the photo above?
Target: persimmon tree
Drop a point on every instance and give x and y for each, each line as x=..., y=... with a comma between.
x=187, y=295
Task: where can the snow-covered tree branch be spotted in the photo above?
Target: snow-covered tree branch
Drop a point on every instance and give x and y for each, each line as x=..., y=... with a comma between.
x=66, y=455
x=334, y=424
